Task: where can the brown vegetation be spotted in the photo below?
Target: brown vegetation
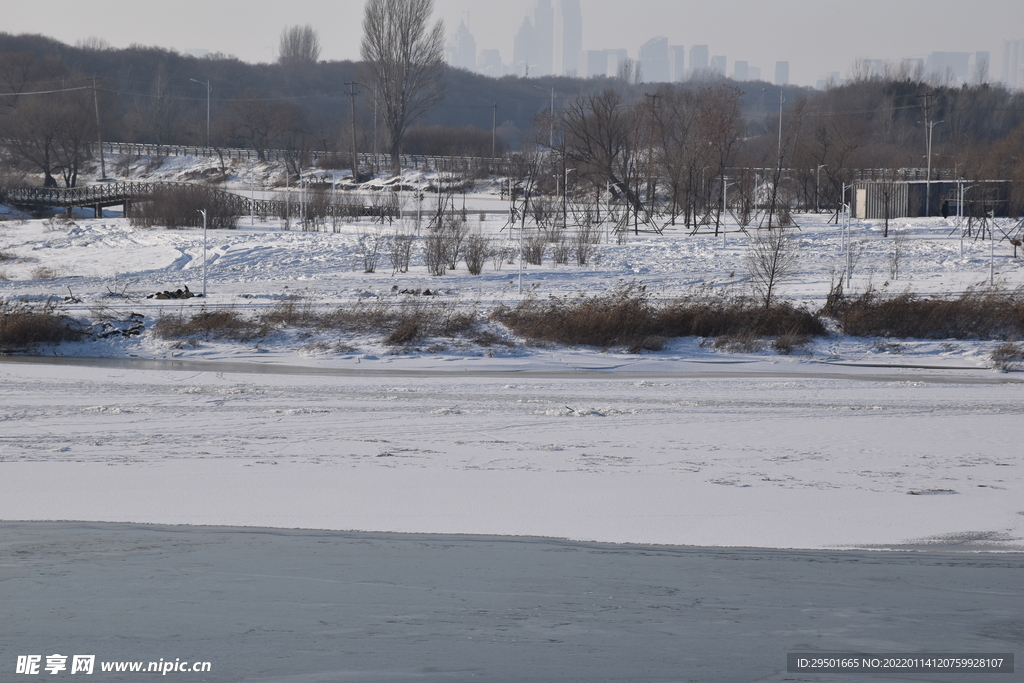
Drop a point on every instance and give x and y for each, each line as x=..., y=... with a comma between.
x=976, y=314
x=25, y=325
x=628, y=317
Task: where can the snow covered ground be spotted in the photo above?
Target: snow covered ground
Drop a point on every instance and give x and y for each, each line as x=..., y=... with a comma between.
x=848, y=442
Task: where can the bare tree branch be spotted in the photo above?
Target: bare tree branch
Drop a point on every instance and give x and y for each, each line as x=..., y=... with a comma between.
x=405, y=61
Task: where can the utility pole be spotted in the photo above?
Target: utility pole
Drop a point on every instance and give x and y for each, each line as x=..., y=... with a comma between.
x=99, y=131
x=929, y=125
x=352, y=85
x=209, y=89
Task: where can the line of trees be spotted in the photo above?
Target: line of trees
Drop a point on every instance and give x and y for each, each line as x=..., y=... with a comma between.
x=672, y=144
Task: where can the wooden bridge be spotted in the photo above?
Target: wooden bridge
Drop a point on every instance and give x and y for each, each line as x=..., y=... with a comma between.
x=102, y=195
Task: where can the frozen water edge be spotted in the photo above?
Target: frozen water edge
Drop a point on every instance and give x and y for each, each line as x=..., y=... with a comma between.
x=316, y=606
x=785, y=461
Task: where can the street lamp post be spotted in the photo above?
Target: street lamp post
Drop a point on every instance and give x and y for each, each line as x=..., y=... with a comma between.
x=203, y=211
x=725, y=188
x=209, y=89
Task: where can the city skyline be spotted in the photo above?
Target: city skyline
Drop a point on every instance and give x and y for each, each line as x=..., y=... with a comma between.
x=818, y=38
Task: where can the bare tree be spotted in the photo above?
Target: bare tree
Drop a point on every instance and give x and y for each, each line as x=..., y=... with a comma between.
x=51, y=134
x=261, y=122
x=771, y=260
x=405, y=61
x=600, y=140
x=299, y=45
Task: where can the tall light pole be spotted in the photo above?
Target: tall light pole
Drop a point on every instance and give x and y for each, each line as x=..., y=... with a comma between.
x=352, y=85
x=203, y=211
x=209, y=89
x=725, y=188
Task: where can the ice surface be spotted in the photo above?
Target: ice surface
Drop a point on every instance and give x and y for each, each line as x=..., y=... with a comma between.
x=270, y=605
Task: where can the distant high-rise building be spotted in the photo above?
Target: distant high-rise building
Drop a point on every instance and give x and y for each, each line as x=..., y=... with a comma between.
x=544, y=37
x=698, y=58
x=678, y=63
x=490, y=63
x=653, y=58
x=739, y=71
x=717, y=65
x=523, y=49
x=572, y=36
x=462, y=52
x=951, y=66
x=597, y=63
x=1012, y=50
x=781, y=73
x=616, y=58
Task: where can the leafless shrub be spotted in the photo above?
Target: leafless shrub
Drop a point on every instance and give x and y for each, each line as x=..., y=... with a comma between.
x=59, y=222
x=401, y=252
x=771, y=261
x=476, y=252
x=180, y=206
x=501, y=254
x=976, y=314
x=454, y=231
x=23, y=326
x=370, y=245
x=899, y=243
x=561, y=250
x=533, y=249
x=434, y=254
x=584, y=243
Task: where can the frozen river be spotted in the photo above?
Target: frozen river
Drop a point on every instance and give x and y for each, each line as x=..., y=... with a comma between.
x=317, y=606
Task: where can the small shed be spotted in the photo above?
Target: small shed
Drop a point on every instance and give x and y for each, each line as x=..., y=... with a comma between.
x=878, y=199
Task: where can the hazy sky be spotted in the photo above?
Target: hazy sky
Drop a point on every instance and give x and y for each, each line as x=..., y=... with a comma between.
x=815, y=36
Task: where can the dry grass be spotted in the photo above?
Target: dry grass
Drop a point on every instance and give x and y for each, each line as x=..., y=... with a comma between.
x=216, y=324
x=23, y=325
x=976, y=314
x=397, y=322
x=1007, y=357
x=44, y=273
x=627, y=317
